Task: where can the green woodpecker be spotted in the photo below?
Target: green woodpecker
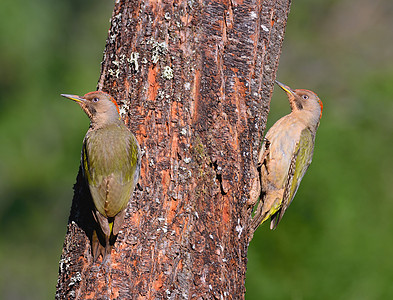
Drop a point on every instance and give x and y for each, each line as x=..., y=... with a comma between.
x=110, y=163
x=287, y=152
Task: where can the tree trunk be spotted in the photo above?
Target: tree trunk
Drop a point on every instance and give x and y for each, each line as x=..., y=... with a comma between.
x=196, y=78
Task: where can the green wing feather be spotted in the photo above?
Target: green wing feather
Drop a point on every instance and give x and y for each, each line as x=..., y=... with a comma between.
x=111, y=168
x=300, y=162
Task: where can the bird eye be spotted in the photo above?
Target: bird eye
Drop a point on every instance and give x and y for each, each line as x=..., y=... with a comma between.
x=305, y=97
x=95, y=99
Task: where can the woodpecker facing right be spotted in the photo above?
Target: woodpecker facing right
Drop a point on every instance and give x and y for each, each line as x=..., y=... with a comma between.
x=286, y=154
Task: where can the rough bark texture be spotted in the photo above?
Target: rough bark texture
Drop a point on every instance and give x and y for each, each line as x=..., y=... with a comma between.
x=196, y=78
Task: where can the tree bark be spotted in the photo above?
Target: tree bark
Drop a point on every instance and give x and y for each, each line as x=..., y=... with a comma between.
x=193, y=80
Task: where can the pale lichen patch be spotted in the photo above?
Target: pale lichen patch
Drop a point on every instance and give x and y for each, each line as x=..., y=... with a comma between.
x=167, y=73
x=133, y=60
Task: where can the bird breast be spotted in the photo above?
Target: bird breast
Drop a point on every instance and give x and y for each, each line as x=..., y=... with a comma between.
x=283, y=137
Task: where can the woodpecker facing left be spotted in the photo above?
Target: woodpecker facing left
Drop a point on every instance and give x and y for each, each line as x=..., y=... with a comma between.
x=111, y=164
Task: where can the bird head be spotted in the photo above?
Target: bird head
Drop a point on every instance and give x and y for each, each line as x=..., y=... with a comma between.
x=303, y=100
x=100, y=107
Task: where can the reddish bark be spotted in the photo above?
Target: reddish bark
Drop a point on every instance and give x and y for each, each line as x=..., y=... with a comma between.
x=197, y=79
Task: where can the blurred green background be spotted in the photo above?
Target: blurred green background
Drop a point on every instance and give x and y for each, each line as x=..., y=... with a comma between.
x=335, y=241
x=46, y=48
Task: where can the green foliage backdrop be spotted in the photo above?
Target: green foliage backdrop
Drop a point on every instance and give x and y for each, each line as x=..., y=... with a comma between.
x=46, y=48
x=335, y=241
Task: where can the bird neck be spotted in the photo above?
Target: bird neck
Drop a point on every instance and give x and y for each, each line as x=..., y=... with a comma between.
x=104, y=120
x=307, y=117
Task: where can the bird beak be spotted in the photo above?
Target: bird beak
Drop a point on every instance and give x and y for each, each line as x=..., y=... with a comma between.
x=76, y=98
x=286, y=88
